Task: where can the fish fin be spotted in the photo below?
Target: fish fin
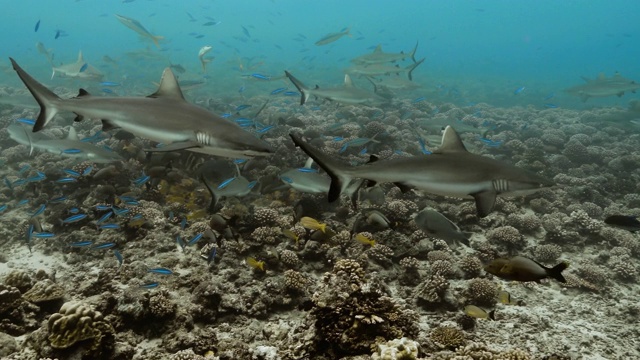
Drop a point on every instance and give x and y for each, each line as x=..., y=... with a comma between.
x=156, y=40
x=413, y=67
x=82, y=92
x=108, y=125
x=80, y=57
x=47, y=100
x=450, y=142
x=304, y=91
x=175, y=146
x=336, y=171
x=492, y=315
x=169, y=87
x=403, y=188
x=214, y=198
x=347, y=81
x=485, y=202
x=73, y=135
x=378, y=49
x=413, y=53
x=370, y=183
x=556, y=271
x=373, y=158
x=78, y=118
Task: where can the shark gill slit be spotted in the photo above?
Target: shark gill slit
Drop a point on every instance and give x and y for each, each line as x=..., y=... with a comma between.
x=500, y=185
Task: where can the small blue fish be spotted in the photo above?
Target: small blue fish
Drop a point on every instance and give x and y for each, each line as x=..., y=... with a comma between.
x=19, y=182
x=8, y=183
x=161, y=271
x=239, y=161
x=104, y=217
x=26, y=121
x=363, y=151
x=23, y=169
x=423, y=146
x=66, y=180
x=39, y=211
x=37, y=26
x=30, y=231
x=212, y=255
x=102, y=246
x=109, y=83
x=58, y=199
x=420, y=99
x=550, y=96
x=261, y=77
x=226, y=115
x=180, y=242
x=265, y=129
x=84, y=67
x=109, y=226
x=141, y=180
x=119, y=257
x=107, y=91
x=551, y=106
x=287, y=179
x=150, y=285
x=292, y=93
x=23, y=202
x=518, y=90
x=87, y=171
x=74, y=210
x=74, y=218
x=57, y=35
x=81, y=244
x=225, y=183
x=242, y=107
x=338, y=138
x=71, y=172
x=195, y=239
x=241, y=89
x=491, y=143
x=3, y=208
x=278, y=90
x=308, y=170
x=43, y=235
x=252, y=184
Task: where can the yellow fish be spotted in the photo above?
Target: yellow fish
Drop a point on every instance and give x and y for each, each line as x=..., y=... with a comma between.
x=258, y=265
x=291, y=235
x=479, y=313
x=364, y=240
x=506, y=299
x=312, y=224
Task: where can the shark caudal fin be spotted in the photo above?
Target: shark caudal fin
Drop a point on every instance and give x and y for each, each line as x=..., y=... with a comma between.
x=413, y=67
x=413, y=53
x=304, y=91
x=340, y=179
x=47, y=100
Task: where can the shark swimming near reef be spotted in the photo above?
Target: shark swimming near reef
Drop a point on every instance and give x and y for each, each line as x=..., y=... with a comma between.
x=79, y=69
x=164, y=116
x=449, y=171
x=136, y=26
x=603, y=86
x=378, y=56
x=347, y=94
x=69, y=147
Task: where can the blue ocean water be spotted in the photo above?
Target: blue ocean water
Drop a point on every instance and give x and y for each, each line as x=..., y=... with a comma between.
x=483, y=49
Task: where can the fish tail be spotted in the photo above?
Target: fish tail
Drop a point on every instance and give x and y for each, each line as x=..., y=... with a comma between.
x=156, y=40
x=556, y=271
x=413, y=67
x=413, y=53
x=47, y=100
x=304, y=91
x=338, y=172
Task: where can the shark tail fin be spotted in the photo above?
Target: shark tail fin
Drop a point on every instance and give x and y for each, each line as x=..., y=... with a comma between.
x=340, y=179
x=413, y=67
x=304, y=91
x=413, y=53
x=47, y=100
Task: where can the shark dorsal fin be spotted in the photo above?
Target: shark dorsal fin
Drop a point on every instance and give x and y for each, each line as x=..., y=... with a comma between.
x=378, y=49
x=451, y=142
x=169, y=87
x=347, y=81
x=83, y=92
x=309, y=163
x=80, y=58
x=73, y=135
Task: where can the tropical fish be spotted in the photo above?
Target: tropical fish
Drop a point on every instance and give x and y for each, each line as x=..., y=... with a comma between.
x=164, y=117
x=625, y=222
x=81, y=243
x=505, y=298
x=329, y=38
x=255, y=264
x=137, y=27
x=74, y=218
x=449, y=171
x=119, y=257
x=438, y=226
x=150, y=285
x=204, y=61
x=103, y=246
x=479, y=313
x=312, y=224
x=520, y=268
x=161, y=271
x=363, y=239
x=37, y=26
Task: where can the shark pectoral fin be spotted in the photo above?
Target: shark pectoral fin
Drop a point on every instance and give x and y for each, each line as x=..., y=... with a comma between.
x=82, y=93
x=485, y=202
x=403, y=188
x=182, y=145
x=78, y=118
x=108, y=125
